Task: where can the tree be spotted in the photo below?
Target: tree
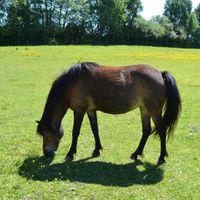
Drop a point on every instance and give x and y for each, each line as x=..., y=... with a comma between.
x=178, y=11
x=73, y=20
x=18, y=20
x=196, y=34
x=147, y=32
x=96, y=21
x=133, y=8
x=197, y=11
x=193, y=23
x=3, y=8
x=44, y=11
x=168, y=26
x=107, y=19
x=79, y=11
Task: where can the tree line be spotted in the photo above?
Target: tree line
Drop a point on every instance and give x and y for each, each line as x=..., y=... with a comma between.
x=35, y=22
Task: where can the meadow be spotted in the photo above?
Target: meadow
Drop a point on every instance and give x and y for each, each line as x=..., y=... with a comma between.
x=26, y=74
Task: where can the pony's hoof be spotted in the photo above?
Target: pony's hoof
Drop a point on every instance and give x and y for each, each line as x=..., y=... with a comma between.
x=134, y=157
x=69, y=158
x=161, y=162
x=95, y=154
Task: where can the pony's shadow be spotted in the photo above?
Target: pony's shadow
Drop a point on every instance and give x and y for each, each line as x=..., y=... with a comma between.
x=94, y=172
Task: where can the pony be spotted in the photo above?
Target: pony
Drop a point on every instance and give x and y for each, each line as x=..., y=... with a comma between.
x=88, y=87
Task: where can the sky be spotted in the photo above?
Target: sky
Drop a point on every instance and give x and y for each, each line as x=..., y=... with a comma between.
x=156, y=7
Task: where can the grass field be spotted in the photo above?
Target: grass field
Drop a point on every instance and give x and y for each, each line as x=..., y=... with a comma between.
x=26, y=74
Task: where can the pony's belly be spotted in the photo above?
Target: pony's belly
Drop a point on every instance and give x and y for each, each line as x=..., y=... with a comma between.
x=116, y=107
x=115, y=111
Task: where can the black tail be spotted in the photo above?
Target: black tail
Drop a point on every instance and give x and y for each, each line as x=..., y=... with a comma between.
x=172, y=107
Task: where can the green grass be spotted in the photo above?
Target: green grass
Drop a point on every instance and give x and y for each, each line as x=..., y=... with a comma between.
x=26, y=74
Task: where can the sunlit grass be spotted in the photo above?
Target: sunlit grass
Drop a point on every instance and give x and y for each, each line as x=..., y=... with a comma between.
x=26, y=74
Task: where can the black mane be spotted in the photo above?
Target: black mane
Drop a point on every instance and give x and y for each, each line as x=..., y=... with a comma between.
x=62, y=82
x=73, y=73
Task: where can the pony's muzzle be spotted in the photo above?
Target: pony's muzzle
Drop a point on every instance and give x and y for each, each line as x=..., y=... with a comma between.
x=49, y=152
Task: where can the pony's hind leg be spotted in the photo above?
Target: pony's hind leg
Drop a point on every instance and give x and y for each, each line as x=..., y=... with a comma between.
x=146, y=131
x=92, y=115
x=161, y=131
x=78, y=118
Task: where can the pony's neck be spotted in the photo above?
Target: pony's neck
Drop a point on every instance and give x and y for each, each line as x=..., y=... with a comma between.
x=56, y=104
x=54, y=113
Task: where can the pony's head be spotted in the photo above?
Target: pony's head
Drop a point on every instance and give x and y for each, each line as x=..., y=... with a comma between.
x=51, y=137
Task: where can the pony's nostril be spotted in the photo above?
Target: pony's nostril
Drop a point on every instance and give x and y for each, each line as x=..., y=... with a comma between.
x=49, y=152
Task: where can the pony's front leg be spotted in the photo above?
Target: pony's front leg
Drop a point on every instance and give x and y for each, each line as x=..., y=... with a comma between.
x=92, y=115
x=78, y=118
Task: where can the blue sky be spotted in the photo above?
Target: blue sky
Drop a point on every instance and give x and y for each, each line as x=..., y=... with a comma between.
x=156, y=7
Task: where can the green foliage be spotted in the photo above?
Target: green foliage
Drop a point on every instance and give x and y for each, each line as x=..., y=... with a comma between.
x=109, y=18
x=168, y=26
x=96, y=22
x=133, y=8
x=147, y=29
x=26, y=76
x=20, y=23
x=78, y=11
x=197, y=11
x=3, y=7
x=196, y=36
x=193, y=23
x=178, y=11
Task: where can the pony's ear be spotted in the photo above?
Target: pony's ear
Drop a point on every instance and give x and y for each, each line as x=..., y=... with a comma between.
x=38, y=122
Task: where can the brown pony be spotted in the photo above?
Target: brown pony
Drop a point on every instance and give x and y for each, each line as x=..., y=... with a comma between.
x=89, y=87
